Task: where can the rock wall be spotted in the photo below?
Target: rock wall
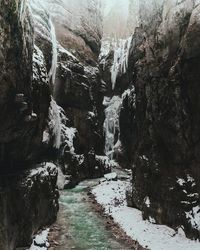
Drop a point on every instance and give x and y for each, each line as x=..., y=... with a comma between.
x=69, y=35
x=159, y=124
x=15, y=78
x=29, y=201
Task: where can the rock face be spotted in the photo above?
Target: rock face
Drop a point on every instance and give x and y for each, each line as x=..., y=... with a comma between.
x=159, y=123
x=16, y=56
x=28, y=202
x=72, y=31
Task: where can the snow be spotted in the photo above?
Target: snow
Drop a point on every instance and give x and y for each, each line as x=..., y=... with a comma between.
x=112, y=196
x=104, y=161
x=40, y=241
x=191, y=198
x=43, y=170
x=188, y=179
x=194, y=217
x=111, y=176
x=65, y=51
x=147, y=201
x=181, y=181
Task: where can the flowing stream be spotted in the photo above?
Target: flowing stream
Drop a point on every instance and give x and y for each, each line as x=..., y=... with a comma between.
x=81, y=227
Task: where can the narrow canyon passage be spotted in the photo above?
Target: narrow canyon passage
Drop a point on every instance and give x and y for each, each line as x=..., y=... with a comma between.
x=99, y=124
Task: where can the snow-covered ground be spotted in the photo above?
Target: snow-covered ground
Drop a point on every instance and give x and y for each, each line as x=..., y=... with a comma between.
x=111, y=195
x=40, y=241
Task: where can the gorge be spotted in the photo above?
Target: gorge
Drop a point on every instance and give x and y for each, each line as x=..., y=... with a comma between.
x=99, y=105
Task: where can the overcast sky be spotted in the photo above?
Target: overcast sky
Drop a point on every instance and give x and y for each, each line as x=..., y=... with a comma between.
x=109, y=4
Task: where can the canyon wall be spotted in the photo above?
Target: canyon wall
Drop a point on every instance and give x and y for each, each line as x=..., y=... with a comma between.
x=159, y=120
x=49, y=55
x=76, y=30
x=151, y=89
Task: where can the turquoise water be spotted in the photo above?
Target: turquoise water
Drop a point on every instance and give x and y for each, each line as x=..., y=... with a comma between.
x=86, y=229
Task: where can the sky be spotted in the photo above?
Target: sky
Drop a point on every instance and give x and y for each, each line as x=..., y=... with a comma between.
x=109, y=4
x=115, y=18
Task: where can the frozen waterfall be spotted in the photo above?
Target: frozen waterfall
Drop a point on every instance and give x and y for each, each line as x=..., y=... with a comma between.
x=111, y=124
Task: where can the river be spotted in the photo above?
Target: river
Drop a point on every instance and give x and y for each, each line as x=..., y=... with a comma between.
x=79, y=226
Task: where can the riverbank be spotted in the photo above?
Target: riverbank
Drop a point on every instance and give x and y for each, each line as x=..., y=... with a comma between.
x=111, y=195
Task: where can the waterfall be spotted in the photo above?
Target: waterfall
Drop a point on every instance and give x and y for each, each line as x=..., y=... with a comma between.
x=52, y=72
x=111, y=123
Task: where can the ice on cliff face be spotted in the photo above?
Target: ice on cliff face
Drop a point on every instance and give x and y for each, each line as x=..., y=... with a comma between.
x=121, y=50
x=57, y=129
x=77, y=15
x=45, y=27
x=111, y=123
x=121, y=56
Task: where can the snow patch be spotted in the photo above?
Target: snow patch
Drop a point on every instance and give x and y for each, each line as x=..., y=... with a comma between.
x=194, y=217
x=147, y=201
x=112, y=196
x=111, y=176
x=43, y=170
x=40, y=241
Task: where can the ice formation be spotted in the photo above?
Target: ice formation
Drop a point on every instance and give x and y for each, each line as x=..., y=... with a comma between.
x=121, y=56
x=45, y=27
x=22, y=11
x=111, y=123
x=57, y=129
x=52, y=72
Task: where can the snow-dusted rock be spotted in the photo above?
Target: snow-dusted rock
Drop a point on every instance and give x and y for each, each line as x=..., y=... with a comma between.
x=28, y=202
x=111, y=177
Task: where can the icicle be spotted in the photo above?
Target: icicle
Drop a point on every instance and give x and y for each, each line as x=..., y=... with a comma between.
x=52, y=72
x=120, y=62
x=57, y=129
